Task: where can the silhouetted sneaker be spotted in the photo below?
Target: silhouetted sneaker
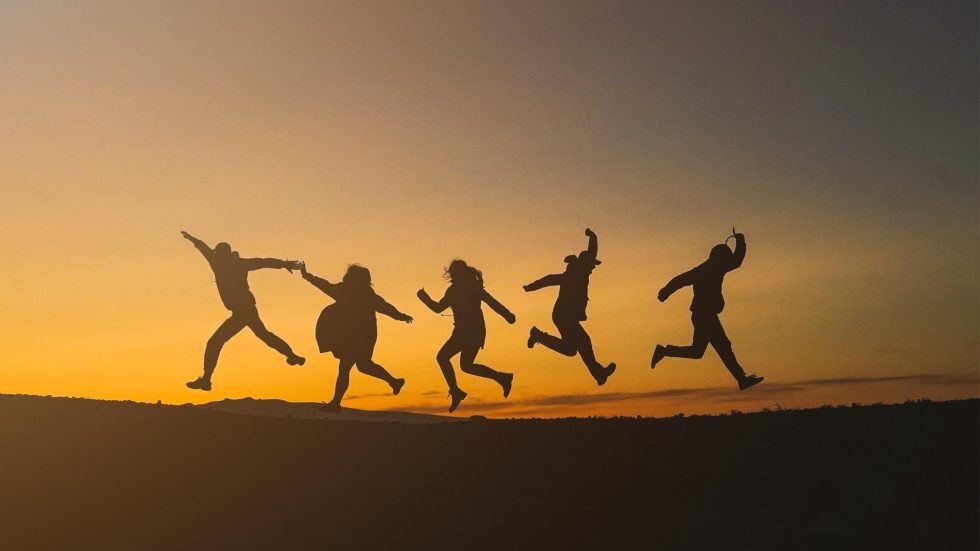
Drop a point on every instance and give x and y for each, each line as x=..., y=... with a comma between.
x=295, y=360
x=200, y=384
x=605, y=373
x=532, y=339
x=396, y=386
x=330, y=407
x=658, y=354
x=749, y=381
x=457, y=397
x=505, y=382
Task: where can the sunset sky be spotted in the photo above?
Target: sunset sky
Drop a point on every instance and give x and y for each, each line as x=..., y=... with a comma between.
x=841, y=138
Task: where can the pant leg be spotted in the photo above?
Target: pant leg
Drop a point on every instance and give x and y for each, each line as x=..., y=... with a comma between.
x=228, y=329
x=698, y=345
x=719, y=341
x=578, y=337
x=466, y=359
x=443, y=357
x=561, y=344
x=268, y=337
x=343, y=381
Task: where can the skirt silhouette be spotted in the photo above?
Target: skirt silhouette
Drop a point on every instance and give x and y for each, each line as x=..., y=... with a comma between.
x=349, y=334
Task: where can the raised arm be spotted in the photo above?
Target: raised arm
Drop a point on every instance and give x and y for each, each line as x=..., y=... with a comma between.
x=739, y=254
x=593, y=249
x=495, y=305
x=330, y=289
x=381, y=306
x=275, y=263
x=199, y=245
x=683, y=280
x=437, y=307
x=546, y=281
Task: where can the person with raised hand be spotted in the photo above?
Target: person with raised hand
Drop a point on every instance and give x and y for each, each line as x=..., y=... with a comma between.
x=348, y=328
x=569, y=311
x=706, y=280
x=466, y=296
x=231, y=276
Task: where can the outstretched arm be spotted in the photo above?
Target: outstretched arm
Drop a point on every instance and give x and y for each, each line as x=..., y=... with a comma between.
x=683, y=280
x=200, y=245
x=260, y=263
x=495, y=305
x=382, y=307
x=593, y=249
x=437, y=307
x=546, y=281
x=739, y=255
x=330, y=289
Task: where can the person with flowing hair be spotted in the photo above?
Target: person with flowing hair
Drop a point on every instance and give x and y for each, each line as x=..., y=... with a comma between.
x=465, y=297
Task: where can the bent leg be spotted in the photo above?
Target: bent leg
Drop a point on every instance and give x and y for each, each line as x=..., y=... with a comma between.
x=368, y=367
x=466, y=359
x=443, y=357
x=576, y=334
x=562, y=344
x=698, y=345
x=228, y=329
x=343, y=381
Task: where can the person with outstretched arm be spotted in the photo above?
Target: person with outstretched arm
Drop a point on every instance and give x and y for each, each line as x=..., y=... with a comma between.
x=466, y=296
x=231, y=276
x=349, y=328
x=569, y=311
x=706, y=280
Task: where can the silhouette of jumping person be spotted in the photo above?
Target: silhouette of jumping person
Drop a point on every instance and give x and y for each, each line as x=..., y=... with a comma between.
x=231, y=276
x=465, y=296
x=349, y=328
x=569, y=311
x=708, y=302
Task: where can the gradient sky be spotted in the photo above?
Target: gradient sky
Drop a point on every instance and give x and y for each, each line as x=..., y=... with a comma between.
x=840, y=137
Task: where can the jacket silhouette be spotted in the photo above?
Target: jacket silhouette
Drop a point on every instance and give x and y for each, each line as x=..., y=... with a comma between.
x=231, y=277
x=708, y=302
x=570, y=310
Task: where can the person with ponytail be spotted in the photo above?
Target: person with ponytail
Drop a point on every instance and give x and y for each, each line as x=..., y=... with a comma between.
x=465, y=296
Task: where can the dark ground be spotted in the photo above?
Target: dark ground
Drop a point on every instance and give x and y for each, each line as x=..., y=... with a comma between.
x=87, y=474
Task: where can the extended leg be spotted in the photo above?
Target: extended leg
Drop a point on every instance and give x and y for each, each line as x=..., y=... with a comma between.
x=723, y=346
x=228, y=329
x=444, y=357
x=698, y=345
x=274, y=341
x=368, y=367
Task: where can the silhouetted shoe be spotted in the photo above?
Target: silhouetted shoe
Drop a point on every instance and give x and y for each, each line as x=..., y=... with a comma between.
x=200, y=384
x=505, y=382
x=532, y=339
x=605, y=373
x=296, y=360
x=396, y=386
x=330, y=407
x=749, y=381
x=658, y=354
x=457, y=397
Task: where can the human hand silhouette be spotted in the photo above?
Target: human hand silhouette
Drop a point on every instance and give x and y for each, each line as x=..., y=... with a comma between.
x=185, y=235
x=422, y=294
x=663, y=295
x=527, y=288
x=293, y=265
x=511, y=319
x=408, y=319
x=589, y=232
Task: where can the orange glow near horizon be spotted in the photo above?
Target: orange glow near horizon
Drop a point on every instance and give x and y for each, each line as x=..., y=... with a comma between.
x=401, y=139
